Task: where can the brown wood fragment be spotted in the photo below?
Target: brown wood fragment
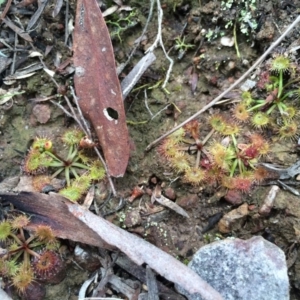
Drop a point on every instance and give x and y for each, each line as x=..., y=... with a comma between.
x=97, y=85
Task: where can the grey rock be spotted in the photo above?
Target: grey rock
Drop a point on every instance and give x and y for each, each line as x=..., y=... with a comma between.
x=253, y=269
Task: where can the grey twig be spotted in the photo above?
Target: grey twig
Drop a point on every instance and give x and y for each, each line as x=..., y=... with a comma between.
x=159, y=40
x=82, y=118
x=67, y=22
x=135, y=74
x=146, y=103
x=13, y=65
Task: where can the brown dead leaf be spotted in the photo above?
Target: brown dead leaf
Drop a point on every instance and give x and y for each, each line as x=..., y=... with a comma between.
x=17, y=30
x=98, y=87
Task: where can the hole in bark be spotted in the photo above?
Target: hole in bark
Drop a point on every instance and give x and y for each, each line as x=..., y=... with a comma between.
x=111, y=113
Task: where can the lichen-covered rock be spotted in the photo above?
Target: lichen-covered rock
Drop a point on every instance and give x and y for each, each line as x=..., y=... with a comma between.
x=252, y=269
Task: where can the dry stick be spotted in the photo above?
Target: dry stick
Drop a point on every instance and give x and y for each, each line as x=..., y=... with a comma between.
x=146, y=103
x=82, y=118
x=213, y=102
x=136, y=73
x=72, y=114
x=13, y=64
x=5, y=11
x=159, y=41
x=66, y=22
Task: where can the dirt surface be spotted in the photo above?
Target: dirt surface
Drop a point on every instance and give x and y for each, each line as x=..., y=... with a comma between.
x=204, y=66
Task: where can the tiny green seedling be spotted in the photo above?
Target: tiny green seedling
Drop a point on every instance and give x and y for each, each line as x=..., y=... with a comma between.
x=182, y=47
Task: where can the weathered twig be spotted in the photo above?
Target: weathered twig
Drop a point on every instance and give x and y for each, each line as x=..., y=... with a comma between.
x=5, y=11
x=135, y=74
x=146, y=103
x=243, y=77
x=13, y=64
x=159, y=41
x=151, y=284
x=66, y=22
x=82, y=118
x=3, y=295
x=139, y=272
x=84, y=287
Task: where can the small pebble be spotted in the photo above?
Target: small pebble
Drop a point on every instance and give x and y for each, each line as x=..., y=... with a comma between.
x=234, y=197
x=170, y=193
x=227, y=41
x=42, y=112
x=233, y=219
x=188, y=201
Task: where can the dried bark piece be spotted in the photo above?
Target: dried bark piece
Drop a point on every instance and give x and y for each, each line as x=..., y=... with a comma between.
x=233, y=219
x=98, y=87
